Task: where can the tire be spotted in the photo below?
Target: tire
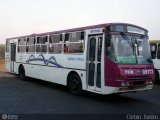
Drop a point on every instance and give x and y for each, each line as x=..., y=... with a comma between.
x=157, y=80
x=75, y=84
x=22, y=73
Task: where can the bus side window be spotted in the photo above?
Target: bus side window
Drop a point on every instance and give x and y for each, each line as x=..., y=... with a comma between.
x=65, y=48
x=82, y=35
x=55, y=43
x=110, y=48
x=158, y=52
x=30, y=45
x=21, y=45
x=153, y=50
x=66, y=41
x=41, y=45
x=76, y=42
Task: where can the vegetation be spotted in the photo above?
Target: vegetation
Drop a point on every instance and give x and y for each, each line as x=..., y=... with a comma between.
x=154, y=41
x=2, y=51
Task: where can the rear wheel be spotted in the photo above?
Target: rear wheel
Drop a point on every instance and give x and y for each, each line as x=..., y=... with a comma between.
x=22, y=73
x=157, y=80
x=75, y=84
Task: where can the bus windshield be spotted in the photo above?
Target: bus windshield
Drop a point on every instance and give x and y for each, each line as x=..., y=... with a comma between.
x=129, y=49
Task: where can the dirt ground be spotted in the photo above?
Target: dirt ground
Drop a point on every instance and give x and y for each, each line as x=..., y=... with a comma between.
x=2, y=65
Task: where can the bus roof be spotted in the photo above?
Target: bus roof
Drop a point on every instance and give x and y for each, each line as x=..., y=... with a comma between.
x=76, y=29
x=154, y=41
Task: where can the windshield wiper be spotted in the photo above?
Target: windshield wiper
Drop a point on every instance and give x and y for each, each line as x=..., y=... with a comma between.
x=131, y=42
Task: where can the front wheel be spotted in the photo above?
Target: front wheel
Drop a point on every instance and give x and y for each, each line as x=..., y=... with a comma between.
x=75, y=84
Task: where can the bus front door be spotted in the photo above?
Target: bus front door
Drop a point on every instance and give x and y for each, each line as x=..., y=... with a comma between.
x=94, y=62
x=13, y=56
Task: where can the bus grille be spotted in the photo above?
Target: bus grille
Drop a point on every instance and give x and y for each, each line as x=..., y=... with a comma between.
x=138, y=83
x=137, y=78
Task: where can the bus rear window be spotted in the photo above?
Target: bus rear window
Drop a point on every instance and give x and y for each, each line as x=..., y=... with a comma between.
x=7, y=46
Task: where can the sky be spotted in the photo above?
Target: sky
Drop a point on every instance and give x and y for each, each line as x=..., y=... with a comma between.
x=24, y=17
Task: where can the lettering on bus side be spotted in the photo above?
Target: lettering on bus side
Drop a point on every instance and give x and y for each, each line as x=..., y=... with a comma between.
x=20, y=57
x=95, y=31
x=7, y=57
x=75, y=59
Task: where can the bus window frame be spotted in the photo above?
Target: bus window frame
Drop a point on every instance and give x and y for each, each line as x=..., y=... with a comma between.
x=68, y=42
x=27, y=45
x=21, y=45
x=46, y=43
x=7, y=46
x=60, y=43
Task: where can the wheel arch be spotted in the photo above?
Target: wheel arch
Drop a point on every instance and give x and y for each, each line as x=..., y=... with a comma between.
x=21, y=65
x=157, y=80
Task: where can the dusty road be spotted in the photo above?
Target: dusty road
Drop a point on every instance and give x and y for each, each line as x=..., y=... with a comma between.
x=38, y=97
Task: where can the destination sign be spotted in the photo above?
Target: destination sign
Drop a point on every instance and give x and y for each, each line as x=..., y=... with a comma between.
x=95, y=31
x=135, y=30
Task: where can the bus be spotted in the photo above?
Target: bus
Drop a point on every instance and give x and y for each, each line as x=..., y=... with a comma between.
x=155, y=53
x=105, y=58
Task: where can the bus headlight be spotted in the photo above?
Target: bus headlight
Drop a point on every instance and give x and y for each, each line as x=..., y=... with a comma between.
x=125, y=83
x=128, y=72
x=149, y=82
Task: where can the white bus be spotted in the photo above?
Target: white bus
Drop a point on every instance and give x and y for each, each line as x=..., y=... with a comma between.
x=105, y=58
x=155, y=52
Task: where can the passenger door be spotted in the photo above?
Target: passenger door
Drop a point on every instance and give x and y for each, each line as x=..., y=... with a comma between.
x=13, y=56
x=94, y=62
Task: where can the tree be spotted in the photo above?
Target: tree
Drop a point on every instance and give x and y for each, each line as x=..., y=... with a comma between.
x=2, y=51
